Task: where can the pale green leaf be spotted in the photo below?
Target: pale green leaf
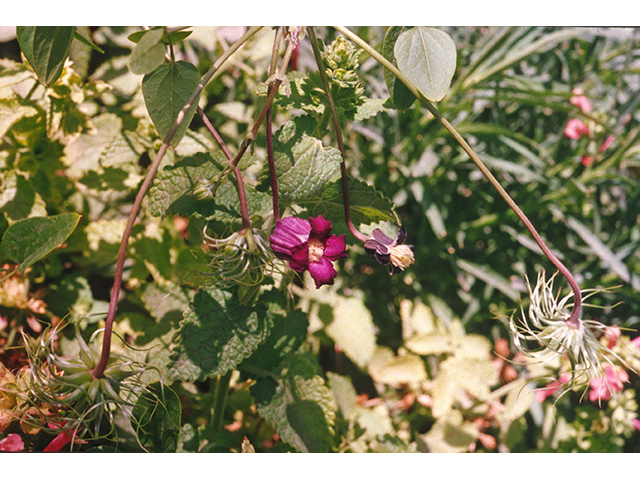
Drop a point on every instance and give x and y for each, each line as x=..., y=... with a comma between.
x=149, y=53
x=427, y=57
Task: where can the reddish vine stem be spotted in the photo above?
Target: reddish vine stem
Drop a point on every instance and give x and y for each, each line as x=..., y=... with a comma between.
x=574, y=318
x=269, y=132
x=336, y=124
x=99, y=369
x=242, y=193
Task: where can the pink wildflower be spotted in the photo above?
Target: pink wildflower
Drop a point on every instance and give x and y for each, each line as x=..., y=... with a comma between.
x=636, y=342
x=612, y=334
x=575, y=129
x=580, y=101
x=607, y=143
x=545, y=392
x=636, y=423
x=308, y=245
x=587, y=160
x=11, y=443
x=602, y=388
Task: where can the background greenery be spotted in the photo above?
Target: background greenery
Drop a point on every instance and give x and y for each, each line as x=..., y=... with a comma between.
x=376, y=362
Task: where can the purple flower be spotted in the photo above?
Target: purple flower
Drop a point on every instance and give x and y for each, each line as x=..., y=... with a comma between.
x=309, y=245
x=390, y=252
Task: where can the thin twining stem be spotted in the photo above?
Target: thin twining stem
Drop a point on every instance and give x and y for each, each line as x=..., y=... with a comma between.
x=268, y=121
x=242, y=193
x=98, y=370
x=574, y=318
x=336, y=124
x=274, y=82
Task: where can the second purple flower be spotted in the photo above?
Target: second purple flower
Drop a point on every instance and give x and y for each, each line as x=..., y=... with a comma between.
x=309, y=245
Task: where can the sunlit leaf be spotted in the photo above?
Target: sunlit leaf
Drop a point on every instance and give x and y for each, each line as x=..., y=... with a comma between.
x=427, y=57
x=148, y=54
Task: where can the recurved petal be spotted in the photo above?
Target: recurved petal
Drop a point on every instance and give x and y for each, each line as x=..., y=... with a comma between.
x=322, y=272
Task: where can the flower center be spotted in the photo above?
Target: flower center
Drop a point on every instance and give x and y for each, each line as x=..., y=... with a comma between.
x=401, y=256
x=316, y=250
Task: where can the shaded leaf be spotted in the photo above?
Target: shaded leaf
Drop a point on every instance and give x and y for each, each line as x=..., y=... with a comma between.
x=156, y=418
x=298, y=405
x=166, y=91
x=28, y=240
x=46, y=48
x=217, y=334
x=427, y=57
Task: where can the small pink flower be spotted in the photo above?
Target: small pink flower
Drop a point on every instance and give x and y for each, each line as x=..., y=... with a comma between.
x=607, y=143
x=575, y=129
x=636, y=423
x=580, y=101
x=11, y=443
x=636, y=342
x=545, y=392
x=309, y=245
x=602, y=388
x=612, y=334
x=587, y=160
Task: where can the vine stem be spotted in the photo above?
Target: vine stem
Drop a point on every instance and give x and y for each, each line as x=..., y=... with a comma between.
x=269, y=133
x=336, y=124
x=242, y=193
x=574, y=318
x=98, y=370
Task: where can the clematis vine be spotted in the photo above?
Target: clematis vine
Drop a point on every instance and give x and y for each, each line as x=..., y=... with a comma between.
x=309, y=245
x=387, y=251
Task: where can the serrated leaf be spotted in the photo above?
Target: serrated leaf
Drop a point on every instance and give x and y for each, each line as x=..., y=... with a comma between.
x=298, y=405
x=367, y=205
x=156, y=418
x=166, y=91
x=427, y=57
x=46, y=48
x=149, y=53
x=400, y=95
x=217, y=334
x=28, y=240
x=173, y=191
x=303, y=164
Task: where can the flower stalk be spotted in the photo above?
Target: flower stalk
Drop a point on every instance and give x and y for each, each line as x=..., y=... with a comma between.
x=336, y=124
x=99, y=369
x=574, y=318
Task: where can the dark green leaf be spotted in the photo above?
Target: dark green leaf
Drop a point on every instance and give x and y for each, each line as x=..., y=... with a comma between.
x=166, y=91
x=46, y=49
x=298, y=405
x=30, y=239
x=216, y=334
x=156, y=418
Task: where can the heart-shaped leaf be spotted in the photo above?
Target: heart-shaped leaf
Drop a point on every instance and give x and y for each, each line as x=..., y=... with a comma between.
x=46, y=49
x=427, y=57
x=166, y=91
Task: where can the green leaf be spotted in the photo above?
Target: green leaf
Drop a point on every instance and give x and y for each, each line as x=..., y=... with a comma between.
x=367, y=205
x=166, y=91
x=303, y=165
x=298, y=405
x=401, y=96
x=30, y=239
x=216, y=334
x=46, y=49
x=19, y=199
x=156, y=418
x=427, y=57
x=148, y=54
x=173, y=191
